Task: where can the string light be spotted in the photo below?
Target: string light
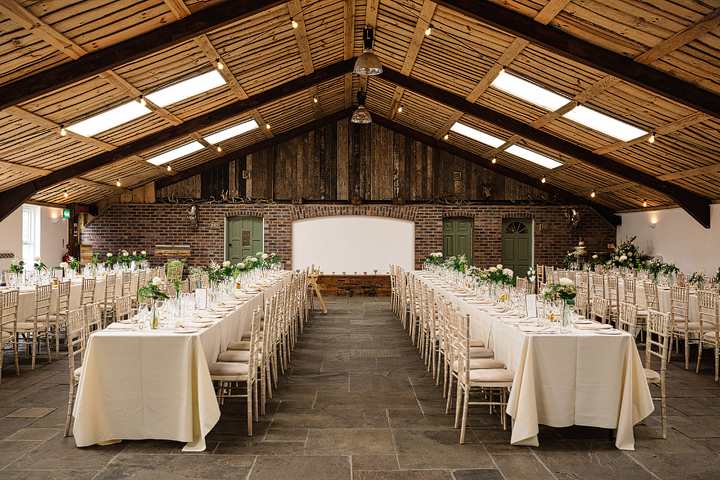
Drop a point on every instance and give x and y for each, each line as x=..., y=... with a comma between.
x=267, y=125
x=219, y=64
x=118, y=182
x=652, y=138
x=400, y=109
x=543, y=179
x=219, y=149
x=644, y=203
x=315, y=100
x=446, y=136
x=494, y=160
x=428, y=31
x=169, y=168
x=294, y=23
x=63, y=132
x=65, y=194
x=142, y=101
x=593, y=194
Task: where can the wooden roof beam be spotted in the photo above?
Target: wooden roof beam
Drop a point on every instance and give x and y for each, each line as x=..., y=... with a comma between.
x=606, y=213
x=121, y=53
x=697, y=206
x=178, y=8
x=301, y=38
x=14, y=197
x=348, y=45
x=584, y=52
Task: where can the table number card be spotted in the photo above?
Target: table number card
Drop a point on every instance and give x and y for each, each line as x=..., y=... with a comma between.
x=531, y=305
x=58, y=274
x=201, y=296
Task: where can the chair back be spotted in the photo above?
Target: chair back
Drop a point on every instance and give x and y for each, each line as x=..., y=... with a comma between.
x=175, y=272
x=462, y=323
x=598, y=285
x=651, y=296
x=8, y=314
x=87, y=295
x=255, y=344
x=126, y=280
x=93, y=318
x=75, y=340
x=627, y=317
x=600, y=309
x=708, y=312
x=142, y=277
x=522, y=284
x=122, y=308
x=680, y=280
x=63, y=298
x=658, y=339
x=629, y=290
x=679, y=304
x=110, y=281
x=612, y=290
x=43, y=294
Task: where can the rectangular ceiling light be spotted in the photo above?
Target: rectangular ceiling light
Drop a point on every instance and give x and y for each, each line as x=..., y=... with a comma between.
x=233, y=131
x=186, y=89
x=110, y=119
x=603, y=123
x=477, y=135
x=178, y=152
x=529, y=91
x=533, y=157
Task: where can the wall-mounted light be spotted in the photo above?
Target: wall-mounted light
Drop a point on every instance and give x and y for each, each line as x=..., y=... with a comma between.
x=653, y=223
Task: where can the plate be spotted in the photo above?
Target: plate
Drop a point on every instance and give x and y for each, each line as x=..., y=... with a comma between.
x=583, y=322
x=609, y=331
x=186, y=330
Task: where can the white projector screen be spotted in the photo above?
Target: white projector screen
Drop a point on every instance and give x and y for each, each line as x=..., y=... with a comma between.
x=353, y=244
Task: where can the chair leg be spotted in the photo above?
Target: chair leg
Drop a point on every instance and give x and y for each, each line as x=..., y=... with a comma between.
x=717, y=363
x=687, y=348
x=466, y=403
x=70, y=408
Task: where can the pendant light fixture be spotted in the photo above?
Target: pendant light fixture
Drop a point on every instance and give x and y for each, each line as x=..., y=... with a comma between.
x=361, y=115
x=368, y=63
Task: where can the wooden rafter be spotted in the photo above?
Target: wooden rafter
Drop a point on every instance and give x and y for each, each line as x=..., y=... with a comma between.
x=44, y=171
x=607, y=213
x=371, y=13
x=586, y=53
x=120, y=83
x=178, y=7
x=696, y=205
x=301, y=38
x=348, y=45
x=121, y=53
x=12, y=198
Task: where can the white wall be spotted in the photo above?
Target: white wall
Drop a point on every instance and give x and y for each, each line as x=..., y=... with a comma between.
x=676, y=236
x=353, y=244
x=53, y=236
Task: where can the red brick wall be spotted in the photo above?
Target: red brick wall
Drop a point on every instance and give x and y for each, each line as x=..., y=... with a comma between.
x=142, y=226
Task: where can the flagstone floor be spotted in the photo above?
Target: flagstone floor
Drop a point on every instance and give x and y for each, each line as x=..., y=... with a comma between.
x=358, y=403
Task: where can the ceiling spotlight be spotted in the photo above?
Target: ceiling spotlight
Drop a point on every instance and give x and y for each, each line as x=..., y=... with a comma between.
x=361, y=115
x=294, y=24
x=267, y=125
x=446, y=136
x=142, y=101
x=644, y=203
x=63, y=132
x=400, y=109
x=315, y=100
x=65, y=194
x=652, y=137
x=118, y=182
x=219, y=64
x=368, y=63
x=428, y=31
x=219, y=149
x=494, y=160
x=169, y=168
x=543, y=179
x=593, y=194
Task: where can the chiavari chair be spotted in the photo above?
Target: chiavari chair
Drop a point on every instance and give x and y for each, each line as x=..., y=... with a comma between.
x=108, y=302
x=30, y=331
x=657, y=345
x=8, y=325
x=651, y=296
x=600, y=310
x=613, y=295
x=123, y=308
x=679, y=310
x=87, y=294
x=709, y=327
x=126, y=284
x=58, y=321
x=93, y=318
x=598, y=282
x=76, y=353
x=627, y=318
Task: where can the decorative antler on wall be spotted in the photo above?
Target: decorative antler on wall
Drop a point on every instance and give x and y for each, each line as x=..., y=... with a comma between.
x=573, y=216
x=486, y=186
x=193, y=217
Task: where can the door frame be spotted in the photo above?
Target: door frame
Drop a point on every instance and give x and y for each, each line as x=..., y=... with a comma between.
x=532, y=236
x=225, y=231
x=472, y=219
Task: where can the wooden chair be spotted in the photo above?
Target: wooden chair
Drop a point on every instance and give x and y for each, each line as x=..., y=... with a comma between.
x=123, y=308
x=489, y=382
x=107, y=304
x=93, y=318
x=679, y=315
x=598, y=282
x=627, y=318
x=657, y=345
x=87, y=294
x=600, y=309
x=680, y=280
x=613, y=295
x=709, y=331
x=29, y=332
x=522, y=284
x=76, y=353
x=126, y=283
x=58, y=321
x=393, y=290
x=229, y=375
x=8, y=325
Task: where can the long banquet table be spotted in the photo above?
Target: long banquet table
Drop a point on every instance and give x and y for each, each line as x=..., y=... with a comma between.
x=155, y=384
x=579, y=378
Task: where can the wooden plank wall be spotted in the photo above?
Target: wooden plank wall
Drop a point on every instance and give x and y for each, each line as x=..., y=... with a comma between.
x=342, y=161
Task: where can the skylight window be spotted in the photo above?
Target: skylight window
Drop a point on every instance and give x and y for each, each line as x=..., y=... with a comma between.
x=233, y=131
x=178, y=152
x=186, y=89
x=532, y=156
x=529, y=91
x=477, y=135
x=603, y=123
x=110, y=119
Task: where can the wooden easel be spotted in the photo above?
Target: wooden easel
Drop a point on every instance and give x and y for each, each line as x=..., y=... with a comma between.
x=312, y=283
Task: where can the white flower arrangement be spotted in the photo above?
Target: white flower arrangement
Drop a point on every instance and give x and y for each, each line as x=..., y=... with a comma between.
x=156, y=281
x=63, y=264
x=226, y=263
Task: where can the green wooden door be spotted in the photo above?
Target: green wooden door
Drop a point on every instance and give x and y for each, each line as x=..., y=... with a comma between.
x=458, y=237
x=244, y=237
x=517, y=245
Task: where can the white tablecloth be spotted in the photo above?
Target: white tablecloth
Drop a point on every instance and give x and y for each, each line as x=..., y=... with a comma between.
x=582, y=378
x=155, y=383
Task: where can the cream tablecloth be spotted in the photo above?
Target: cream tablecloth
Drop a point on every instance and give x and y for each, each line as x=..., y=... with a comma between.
x=582, y=378
x=155, y=384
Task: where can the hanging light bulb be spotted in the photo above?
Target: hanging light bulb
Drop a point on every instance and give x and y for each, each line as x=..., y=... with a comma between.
x=267, y=125
x=294, y=23
x=543, y=179
x=65, y=194
x=118, y=182
x=644, y=203
x=142, y=101
x=169, y=168
x=446, y=136
x=400, y=109
x=494, y=160
x=428, y=31
x=361, y=115
x=593, y=194
x=368, y=63
x=315, y=100
x=219, y=64
x=63, y=132
x=652, y=138
x=219, y=149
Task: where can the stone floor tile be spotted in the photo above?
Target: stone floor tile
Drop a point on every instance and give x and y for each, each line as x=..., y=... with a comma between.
x=173, y=467
x=419, y=449
x=61, y=453
x=520, y=467
x=11, y=451
x=302, y=467
x=349, y=441
x=686, y=465
x=34, y=434
x=375, y=462
x=403, y=475
x=30, y=412
x=55, y=474
x=478, y=474
x=286, y=435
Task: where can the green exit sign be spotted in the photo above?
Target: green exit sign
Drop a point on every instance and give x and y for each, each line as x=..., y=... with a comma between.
x=66, y=213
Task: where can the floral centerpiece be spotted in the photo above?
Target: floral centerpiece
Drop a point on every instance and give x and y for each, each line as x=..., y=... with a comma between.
x=171, y=266
x=39, y=265
x=572, y=257
x=458, y=264
x=109, y=259
x=498, y=274
x=74, y=264
x=196, y=274
x=698, y=278
x=627, y=255
x=124, y=258
x=270, y=260
x=564, y=290
x=17, y=266
x=670, y=268
x=478, y=274
x=152, y=291
x=716, y=278
x=654, y=267
x=435, y=258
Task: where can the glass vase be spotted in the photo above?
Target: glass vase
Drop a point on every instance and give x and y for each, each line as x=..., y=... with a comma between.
x=154, y=321
x=564, y=316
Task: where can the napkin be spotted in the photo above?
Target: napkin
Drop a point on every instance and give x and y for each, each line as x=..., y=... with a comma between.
x=192, y=325
x=519, y=320
x=479, y=302
x=511, y=312
x=210, y=315
x=220, y=309
x=232, y=302
x=535, y=329
x=593, y=326
x=119, y=326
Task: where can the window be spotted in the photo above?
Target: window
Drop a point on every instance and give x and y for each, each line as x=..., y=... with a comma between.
x=30, y=234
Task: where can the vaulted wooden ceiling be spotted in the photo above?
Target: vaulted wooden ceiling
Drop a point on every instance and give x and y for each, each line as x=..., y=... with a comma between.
x=653, y=65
